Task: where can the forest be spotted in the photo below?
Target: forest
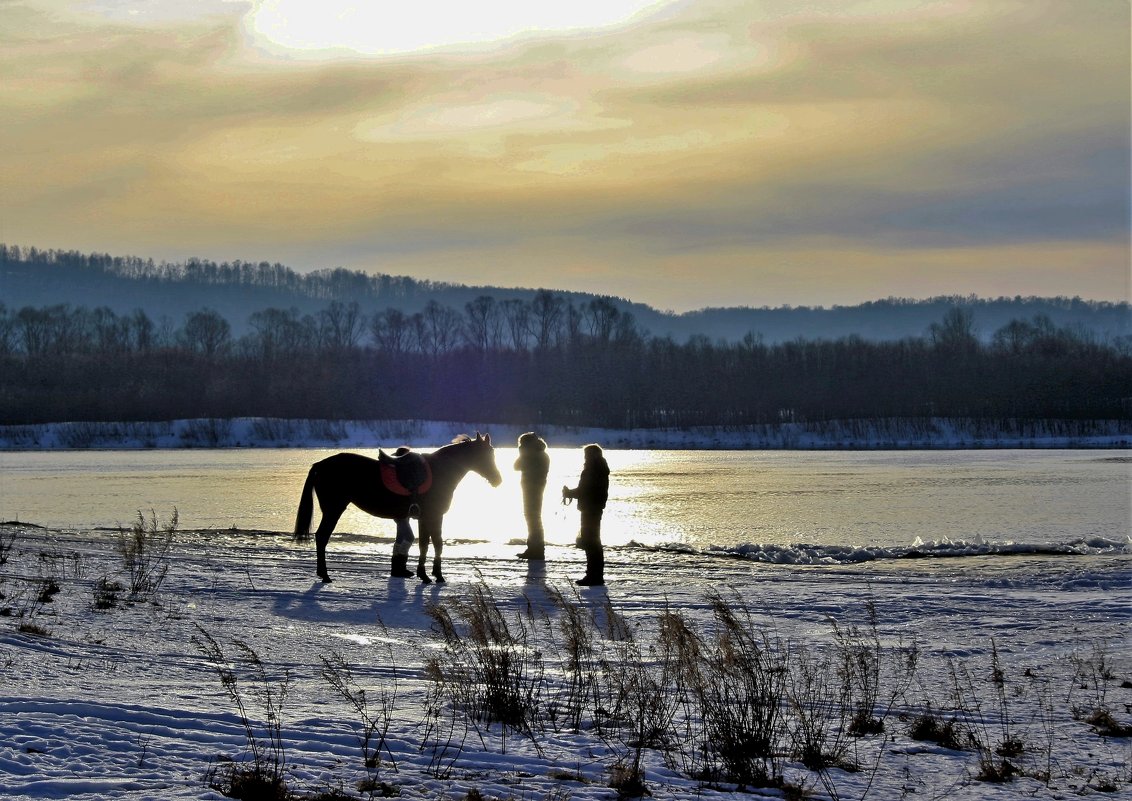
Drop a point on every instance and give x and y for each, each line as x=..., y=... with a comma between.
x=169, y=291
x=547, y=360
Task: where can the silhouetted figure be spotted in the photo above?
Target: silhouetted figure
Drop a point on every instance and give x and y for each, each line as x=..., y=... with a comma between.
x=533, y=464
x=591, y=493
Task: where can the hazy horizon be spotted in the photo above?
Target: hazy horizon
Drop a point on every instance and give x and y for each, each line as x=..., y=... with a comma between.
x=632, y=300
x=684, y=155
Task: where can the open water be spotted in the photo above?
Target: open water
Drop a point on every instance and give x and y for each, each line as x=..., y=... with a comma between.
x=774, y=506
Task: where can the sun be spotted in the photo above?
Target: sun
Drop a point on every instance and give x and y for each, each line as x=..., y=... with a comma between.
x=321, y=28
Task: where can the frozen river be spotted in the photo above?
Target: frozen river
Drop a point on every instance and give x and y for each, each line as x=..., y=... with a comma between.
x=756, y=501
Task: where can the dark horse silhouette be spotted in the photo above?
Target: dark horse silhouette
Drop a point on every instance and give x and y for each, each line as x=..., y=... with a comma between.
x=347, y=478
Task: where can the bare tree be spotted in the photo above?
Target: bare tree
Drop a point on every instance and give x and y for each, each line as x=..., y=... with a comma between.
x=281, y=333
x=340, y=325
x=390, y=330
x=546, y=312
x=482, y=322
x=625, y=329
x=444, y=326
x=574, y=317
x=110, y=332
x=956, y=332
x=7, y=331
x=419, y=334
x=602, y=315
x=55, y=330
x=206, y=332
x=143, y=332
x=516, y=316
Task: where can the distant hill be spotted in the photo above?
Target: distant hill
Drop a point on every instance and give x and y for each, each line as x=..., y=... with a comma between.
x=35, y=277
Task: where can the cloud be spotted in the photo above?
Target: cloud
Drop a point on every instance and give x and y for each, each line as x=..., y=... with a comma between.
x=302, y=28
x=718, y=149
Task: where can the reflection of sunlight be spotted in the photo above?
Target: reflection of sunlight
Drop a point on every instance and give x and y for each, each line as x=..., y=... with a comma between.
x=634, y=513
x=495, y=516
x=362, y=639
x=492, y=515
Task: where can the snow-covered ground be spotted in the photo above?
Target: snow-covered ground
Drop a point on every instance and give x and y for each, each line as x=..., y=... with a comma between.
x=274, y=433
x=126, y=702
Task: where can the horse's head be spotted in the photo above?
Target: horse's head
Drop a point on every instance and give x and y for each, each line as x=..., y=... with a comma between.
x=483, y=458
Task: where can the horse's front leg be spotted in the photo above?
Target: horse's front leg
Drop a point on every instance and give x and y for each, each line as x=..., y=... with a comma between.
x=430, y=531
x=437, y=549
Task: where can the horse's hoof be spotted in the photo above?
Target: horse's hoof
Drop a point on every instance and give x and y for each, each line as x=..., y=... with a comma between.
x=439, y=578
x=325, y=578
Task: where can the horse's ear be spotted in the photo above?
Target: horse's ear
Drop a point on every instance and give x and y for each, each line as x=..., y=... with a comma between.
x=487, y=438
x=478, y=436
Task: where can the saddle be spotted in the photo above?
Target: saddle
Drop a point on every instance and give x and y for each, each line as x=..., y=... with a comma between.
x=407, y=473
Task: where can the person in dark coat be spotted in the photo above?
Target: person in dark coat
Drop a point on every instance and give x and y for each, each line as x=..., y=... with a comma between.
x=533, y=464
x=591, y=493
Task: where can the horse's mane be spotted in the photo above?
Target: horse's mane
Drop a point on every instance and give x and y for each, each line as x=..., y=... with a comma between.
x=456, y=440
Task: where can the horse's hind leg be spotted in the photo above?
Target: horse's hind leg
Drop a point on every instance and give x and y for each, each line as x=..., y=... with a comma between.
x=423, y=543
x=322, y=537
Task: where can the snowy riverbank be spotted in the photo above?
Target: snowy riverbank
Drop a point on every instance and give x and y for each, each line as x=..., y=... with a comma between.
x=1020, y=662
x=881, y=434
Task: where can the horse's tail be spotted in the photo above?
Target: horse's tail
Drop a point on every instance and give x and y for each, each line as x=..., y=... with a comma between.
x=306, y=509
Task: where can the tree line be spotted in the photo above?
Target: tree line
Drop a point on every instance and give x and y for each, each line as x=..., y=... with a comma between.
x=32, y=276
x=547, y=360
x=327, y=283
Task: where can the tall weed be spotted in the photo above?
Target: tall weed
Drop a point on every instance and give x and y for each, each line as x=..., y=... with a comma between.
x=145, y=550
x=489, y=663
x=375, y=717
x=7, y=542
x=265, y=776
x=576, y=628
x=742, y=686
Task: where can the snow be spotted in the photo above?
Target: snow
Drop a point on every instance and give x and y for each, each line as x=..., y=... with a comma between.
x=124, y=703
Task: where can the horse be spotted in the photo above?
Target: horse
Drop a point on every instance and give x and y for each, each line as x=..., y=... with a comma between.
x=346, y=478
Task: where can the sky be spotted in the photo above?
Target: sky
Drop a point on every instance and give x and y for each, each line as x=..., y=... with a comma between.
x=680, y=154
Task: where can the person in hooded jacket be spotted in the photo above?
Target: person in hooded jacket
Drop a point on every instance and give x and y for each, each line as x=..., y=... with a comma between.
x=533, y=464
x=591, y=493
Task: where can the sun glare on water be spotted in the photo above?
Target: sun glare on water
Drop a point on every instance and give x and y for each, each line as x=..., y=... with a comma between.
x=316, y=28
x=492, y=517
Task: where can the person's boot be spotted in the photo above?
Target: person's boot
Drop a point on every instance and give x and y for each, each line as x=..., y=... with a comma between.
x=400, y=567
x=595, y=569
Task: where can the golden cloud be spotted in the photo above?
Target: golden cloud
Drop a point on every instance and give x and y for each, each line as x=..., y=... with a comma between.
x=713, y=139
